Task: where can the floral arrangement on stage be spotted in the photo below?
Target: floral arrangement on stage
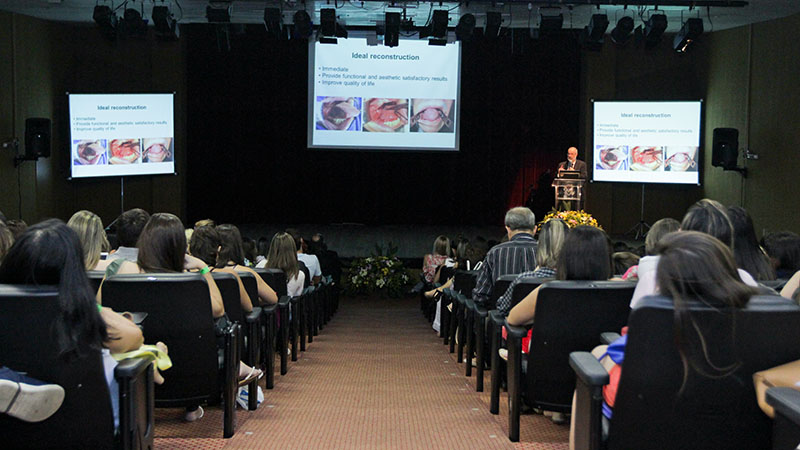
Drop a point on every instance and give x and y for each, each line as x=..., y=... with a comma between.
x=380, y=272
x=571, y=218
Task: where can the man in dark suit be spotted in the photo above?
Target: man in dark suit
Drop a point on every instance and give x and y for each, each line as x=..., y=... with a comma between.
x=573, y=163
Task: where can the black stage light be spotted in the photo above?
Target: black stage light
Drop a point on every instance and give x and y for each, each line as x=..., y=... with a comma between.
x=691, y=30
x=654, y=29
x=132, y=24
x=594, y=33
x=327, y=22
x=219, y=13
x=391, y=34
x=273, y=19
x=302, y=25
x=465, y=27
x=621, y=34
x=439, y=23
x=106, y=20
x=550, y=20
x=493, y=21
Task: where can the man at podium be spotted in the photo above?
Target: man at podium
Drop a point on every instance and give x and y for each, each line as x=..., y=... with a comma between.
x=572, y=169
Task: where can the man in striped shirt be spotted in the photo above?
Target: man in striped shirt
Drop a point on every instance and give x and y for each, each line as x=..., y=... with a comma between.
x=515, y=256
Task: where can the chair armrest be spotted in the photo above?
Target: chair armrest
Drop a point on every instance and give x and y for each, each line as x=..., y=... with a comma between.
x=608, y=337
x=136, y=402
x=497, y=318
x=786, y=402
x=516, y=332
x=588, y=369
x=268, y=309
x=283, y=302
x=253, y=316
x=480, y=311
x=131, y=368
x=469, y=304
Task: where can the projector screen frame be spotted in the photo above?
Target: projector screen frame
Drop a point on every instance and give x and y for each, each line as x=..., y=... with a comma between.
x=700, y=145
x=378, y=148
x=70, y=177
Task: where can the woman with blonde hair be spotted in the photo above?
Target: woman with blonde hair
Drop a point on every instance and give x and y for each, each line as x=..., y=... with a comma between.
x=283, y=255
x=93, y=238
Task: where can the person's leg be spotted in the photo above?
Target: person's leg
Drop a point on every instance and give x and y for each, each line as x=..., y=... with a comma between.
x=26, y=398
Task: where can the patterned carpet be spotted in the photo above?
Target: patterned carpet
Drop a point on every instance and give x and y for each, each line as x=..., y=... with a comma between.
x=376, y=377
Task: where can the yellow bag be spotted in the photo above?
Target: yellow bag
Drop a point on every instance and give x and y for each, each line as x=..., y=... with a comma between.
x=786, y=375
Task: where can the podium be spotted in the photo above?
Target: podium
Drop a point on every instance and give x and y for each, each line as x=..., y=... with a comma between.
x=568, y=190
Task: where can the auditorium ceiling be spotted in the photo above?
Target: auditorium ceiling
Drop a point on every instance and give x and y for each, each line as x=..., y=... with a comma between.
x=358, y=14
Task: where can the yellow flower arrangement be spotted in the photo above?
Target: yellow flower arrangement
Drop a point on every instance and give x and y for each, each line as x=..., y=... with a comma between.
x=571, y=218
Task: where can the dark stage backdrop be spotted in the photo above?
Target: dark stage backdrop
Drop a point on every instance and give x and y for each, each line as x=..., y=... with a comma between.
x=247, y=155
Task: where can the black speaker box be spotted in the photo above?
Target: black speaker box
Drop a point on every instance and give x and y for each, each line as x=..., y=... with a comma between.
x=37, y=138
x=725, y=148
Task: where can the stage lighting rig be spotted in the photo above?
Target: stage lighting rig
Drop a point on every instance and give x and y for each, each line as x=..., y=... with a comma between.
x=219, y=11
x=273, y=20
x=621, y=34
x=551, y=20
x=391, y=33
x=654, y=29
x=594, y=32
x=691, y=30
x=329, y=28
x=106, y=20
x=436, y=31
x=465, y=27
x=492, y=27
x=302, y=25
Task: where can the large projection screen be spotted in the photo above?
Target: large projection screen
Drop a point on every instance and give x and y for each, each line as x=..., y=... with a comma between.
x=647, y=141
x=384, y=98
x=121, y=134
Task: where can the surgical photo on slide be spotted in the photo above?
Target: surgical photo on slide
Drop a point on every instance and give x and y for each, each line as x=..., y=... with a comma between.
x=338, y=113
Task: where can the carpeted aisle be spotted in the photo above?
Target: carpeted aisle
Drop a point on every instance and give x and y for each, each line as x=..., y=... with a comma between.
x=376, y=377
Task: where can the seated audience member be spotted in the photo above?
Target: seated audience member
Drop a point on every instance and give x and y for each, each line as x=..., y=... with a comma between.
x=249, y=249
x=231, y=255
x=661, y=228
x=17, y=227
x=129, y=226
x=262, y=246
x=439, y=256
x=26, y=398
x=162, y=249
x=783, y=249
x=624, y=261
x=6, y=240
x=692, y=266
x=310, y=261
x=205, y=223
x=551, y=239
x=585, y=255
x=707, y=216
x=749, y=255
x=49, y=254
x=205, y=244
x=512, y=257
x=282, y=255
x=93, y=238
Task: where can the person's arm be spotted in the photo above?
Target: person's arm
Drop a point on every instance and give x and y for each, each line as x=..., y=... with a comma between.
x=791, y=285
x=504, y=302
x=316, y=277
x=525, y=310
x=217, y=306
x=124, y=268
x=123, y=335
x=244, y=298
x=432, y=292
x=265, y=293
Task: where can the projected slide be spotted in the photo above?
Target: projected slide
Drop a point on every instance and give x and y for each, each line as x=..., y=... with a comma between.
x=647, y=142
x=376, y=97
x=121, y=134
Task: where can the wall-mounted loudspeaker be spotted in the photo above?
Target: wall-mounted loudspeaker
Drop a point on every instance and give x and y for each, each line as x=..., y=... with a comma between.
x=725, y=149
x=37, y=138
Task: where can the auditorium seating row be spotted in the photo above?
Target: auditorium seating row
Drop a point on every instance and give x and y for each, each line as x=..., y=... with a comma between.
x=178, y=312
x=651, y=411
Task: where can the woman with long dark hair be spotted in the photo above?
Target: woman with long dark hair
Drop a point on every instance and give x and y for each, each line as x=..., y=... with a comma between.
x=205, y=244
x=231, y=255
x=749, y=255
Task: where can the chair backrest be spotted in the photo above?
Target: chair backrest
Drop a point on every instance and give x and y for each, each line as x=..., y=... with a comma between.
x=524, y=287
x=275, y=278
x=303, y=268
x=570, y=315
x=229, y=288
x=250, y=286
x=28, y=344
x=95, y=278
x=500, y=287
x=446, y=273
x=178, y=307
x=465, y=281
x=717, y=412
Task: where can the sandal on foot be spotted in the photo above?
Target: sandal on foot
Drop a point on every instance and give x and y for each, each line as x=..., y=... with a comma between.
x=255, y=374
x=192, y=416
x=29, y=402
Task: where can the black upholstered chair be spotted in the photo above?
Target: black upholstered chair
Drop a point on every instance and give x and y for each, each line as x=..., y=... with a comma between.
x=463, y=283
x=570, y=315
x=85, y=418
x=496, y=321
x=656, y=408
x=95, y=278
x=276, y=319
x=178, y=308
x=477, y=344
x=786, y=427
x=251, y=338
